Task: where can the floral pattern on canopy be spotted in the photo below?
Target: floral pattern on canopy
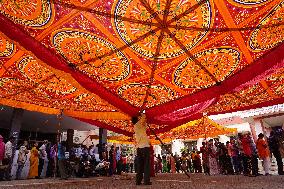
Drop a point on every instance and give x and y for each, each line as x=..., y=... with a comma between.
x=201, y=128
x=104, y=61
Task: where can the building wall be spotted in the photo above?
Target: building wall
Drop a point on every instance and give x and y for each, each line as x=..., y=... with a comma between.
x=243, y=127
x=82, y=137
x=177, y=145
x=157, y=150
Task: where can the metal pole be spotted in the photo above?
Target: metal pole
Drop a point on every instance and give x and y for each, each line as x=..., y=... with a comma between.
x=57, y=141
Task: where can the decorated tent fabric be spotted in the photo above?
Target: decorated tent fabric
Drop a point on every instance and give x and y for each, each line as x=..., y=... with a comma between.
x=201, y=128
x=118, y=139
x=103, y=61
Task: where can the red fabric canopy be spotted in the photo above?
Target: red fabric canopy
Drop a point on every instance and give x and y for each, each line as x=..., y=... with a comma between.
x=103, y=61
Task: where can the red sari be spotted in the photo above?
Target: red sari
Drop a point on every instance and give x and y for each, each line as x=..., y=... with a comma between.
x=173, y=165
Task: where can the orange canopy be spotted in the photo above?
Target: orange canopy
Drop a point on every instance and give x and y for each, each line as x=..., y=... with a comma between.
x=104, y=61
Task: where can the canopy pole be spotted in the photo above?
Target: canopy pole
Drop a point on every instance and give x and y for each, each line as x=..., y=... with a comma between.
x=59, y=117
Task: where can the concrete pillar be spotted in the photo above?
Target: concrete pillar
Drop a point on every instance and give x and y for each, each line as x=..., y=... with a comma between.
x=267, y=131
x=70, y=136
x=102, y=136
x=253, y=132
x=256, y=127
x=259, y=128
x=16, y=123
x=102, y=140
x=177, y=145
x=266, y=128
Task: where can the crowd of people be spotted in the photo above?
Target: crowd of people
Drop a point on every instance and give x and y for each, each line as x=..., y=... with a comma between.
x=240, y=155
x=59, y=161
x=33, y=154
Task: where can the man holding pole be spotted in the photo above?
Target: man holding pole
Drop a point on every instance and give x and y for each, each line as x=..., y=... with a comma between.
x=143, y=149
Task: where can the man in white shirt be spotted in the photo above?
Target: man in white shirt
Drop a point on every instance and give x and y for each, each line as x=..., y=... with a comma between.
x=9, y=156
x=79, y=151
x=22, y=158
x=118, y=161
x=42, y=157
x=93, y=151
x=130, y=161
x=143, y=149
x=9, y=148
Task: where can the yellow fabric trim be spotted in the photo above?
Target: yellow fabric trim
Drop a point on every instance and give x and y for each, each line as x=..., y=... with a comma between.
x=30, y=107
x=78, y=114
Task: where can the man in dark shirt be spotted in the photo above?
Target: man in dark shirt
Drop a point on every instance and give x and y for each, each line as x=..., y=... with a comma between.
x=273, y=143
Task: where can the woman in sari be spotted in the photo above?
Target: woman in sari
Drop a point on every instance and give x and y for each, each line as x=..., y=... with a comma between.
x=213, y=163
x=165, y=164
x=33, y=173
x=173, y=164
x=2, y=149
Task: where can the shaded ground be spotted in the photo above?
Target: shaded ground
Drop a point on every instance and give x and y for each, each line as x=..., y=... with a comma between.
x=172, y=181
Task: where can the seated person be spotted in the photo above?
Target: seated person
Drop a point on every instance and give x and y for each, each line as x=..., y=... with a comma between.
x=103, y=166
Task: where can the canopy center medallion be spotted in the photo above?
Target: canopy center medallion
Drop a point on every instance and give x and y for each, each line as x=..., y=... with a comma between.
x=147, y=19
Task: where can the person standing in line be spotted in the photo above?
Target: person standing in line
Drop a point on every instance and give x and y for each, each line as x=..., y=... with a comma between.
x=159, y=163
x=168, y=162
x=143, y=149
x=93, y=150
x=164, y=162
x=189, y=162
x=111, y=158
x=205, y=160
x=184, y=161
x=49, y=168
x=193, y=159
x=212, y=158
x=79, y=151
x=52, y=160
x=124, y=163
x=250, y=155
x=274, y=147
x=2, y=156
x=118, y=161
x=42, y=156
x=241, y=153
x=2, y=149
x=34, y=161
x=234, y=154
x=130, y=160
x=114, y=160
x=198, y=162
x=9, y=157
x=152, y=162
x=246, y=143
x=62, y=160
x=254, y=160
x=263, y=152
x=173, y=164
x=22, y=157
x=225, y=160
